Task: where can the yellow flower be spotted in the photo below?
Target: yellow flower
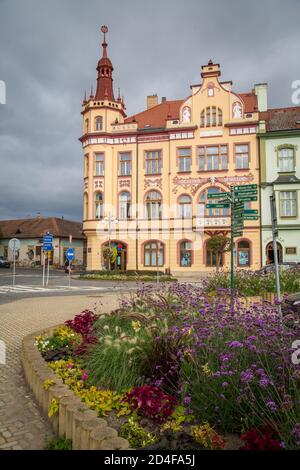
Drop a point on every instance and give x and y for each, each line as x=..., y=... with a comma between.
x=207, y=370
x=136, y=325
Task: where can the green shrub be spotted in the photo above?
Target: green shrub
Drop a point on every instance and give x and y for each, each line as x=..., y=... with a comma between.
x=60, y=443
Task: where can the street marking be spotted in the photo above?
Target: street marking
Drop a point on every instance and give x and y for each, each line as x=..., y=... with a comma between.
x=31, y=289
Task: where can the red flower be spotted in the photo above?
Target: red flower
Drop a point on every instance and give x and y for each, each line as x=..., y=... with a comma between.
x=261, y=438
x=151, y=402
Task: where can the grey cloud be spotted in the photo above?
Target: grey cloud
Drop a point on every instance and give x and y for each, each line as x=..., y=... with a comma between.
x=48, y=54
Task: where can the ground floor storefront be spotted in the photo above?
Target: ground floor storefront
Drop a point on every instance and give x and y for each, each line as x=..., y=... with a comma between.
x=288, y=246
x=173, y=254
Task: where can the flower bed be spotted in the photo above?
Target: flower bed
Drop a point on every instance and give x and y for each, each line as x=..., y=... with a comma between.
x=173, y=368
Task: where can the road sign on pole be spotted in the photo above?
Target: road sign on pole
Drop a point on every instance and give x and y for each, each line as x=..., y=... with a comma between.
x=245, y=187
x=250, y=211
x=217, y=195
x=14, y=244
x=218, y=206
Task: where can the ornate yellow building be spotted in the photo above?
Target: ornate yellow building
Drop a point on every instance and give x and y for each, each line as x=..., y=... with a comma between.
x=147, y=176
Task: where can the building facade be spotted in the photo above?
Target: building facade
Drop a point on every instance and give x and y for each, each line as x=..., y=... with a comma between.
x=152, y=173
x=280, y=173
x=30, y=232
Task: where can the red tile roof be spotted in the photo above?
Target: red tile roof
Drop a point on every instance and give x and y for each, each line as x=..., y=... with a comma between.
x=282, y=119
x=36, y=228
x=156, y=116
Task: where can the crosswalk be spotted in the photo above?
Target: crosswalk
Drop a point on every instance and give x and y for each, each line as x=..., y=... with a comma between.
x=19, y=289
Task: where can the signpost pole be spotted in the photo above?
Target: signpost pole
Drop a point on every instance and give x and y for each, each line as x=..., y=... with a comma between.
x=274, y=234
x=70, y=262
x=43, y=268
x=232, y=246
x=14, y=265
x=48, y=264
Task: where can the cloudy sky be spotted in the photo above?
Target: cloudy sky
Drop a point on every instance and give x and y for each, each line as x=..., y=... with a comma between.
x=48, y=53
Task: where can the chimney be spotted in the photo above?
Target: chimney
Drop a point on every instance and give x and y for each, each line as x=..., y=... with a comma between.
x=152, y=100
x=261, y=91
x=163, y=99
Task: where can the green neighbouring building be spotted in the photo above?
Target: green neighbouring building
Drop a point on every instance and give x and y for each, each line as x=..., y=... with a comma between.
x=279, y=141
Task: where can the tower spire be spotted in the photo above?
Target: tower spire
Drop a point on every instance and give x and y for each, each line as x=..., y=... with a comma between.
x=105, y=69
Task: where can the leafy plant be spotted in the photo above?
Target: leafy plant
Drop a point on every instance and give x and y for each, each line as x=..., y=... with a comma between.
x=262, y=438
x=218, y=244
x=53, y=408
x=207, y=437
x=60, y=443
x=137, y=436
x=151, y=402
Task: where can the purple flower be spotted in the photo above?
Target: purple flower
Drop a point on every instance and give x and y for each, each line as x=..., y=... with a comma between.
x=225, y=384
x=247, y=376
x=187, y=400
x=235, y=344
x=272, y=405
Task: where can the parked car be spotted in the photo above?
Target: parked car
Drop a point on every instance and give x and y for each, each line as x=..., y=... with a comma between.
x=4, y=263
x=270, y=268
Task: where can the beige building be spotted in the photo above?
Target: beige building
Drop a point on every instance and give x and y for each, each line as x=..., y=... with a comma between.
x=147, y=176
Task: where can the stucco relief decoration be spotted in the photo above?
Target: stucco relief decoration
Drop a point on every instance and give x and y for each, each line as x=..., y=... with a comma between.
x=153, y=183
x=85, y=185
x=210, y=89
x=237, y=110
x=98, y=184
x=193, y=184
x=186, y=114
x=124, y=183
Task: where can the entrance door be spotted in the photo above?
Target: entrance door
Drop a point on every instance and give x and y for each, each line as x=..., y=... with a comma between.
x=270, y=253
x=119, y=264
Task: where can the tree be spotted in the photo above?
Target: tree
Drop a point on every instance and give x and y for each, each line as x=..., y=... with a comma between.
x=109, y=254
x=218, y=244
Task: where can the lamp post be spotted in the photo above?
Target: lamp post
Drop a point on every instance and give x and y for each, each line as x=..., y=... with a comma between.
x=110, y=220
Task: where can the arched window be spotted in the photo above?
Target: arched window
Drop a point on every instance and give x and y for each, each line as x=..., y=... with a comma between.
x=211, y=117
x=153, y=253
x=85, y=206
x=243, y=253
x=153, y=202
x=210, y=212
x=98, y=123
x=185, y=253
x=98, y=205
x=124, y=205
x=185, y=207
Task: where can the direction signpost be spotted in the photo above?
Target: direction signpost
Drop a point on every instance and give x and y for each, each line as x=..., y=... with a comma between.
x=235, y=199
x=14, y=244
x=275, y=235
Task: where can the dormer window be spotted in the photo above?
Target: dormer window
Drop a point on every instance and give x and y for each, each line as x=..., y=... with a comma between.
x=211, y=117
x=98, y=123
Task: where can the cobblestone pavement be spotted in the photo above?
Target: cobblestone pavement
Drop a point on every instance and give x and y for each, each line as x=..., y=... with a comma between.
x=21, y=424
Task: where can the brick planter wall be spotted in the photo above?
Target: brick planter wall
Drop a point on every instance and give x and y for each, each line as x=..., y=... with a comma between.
x=74, y=420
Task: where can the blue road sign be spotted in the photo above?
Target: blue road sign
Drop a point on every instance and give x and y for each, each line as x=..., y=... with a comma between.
x=48, y=238
x=70, y=255
x=47, y=247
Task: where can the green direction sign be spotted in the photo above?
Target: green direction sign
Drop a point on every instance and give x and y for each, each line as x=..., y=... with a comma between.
x=217, y=206
x=217, y=195
x=251, y=211
x=247, y=198
x=237, y=234
x=245, y=187
x=251, y=217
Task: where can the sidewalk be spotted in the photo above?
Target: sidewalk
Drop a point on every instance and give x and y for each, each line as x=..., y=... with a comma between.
x=21, y=424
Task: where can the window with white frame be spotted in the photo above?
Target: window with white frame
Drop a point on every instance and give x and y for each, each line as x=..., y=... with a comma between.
x=212, y=157
x=124, y=205
x=98, y=123
x=153, y=203
x=184, y=160
x=241, y=156
x=153, y=162
x=185, y=206
x=125, y=163
x=286, y=159
x=99, y=164
x=98, y=205
x=288, y=203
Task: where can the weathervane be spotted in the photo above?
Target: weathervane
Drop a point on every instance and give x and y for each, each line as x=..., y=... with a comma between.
x=104, y=30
